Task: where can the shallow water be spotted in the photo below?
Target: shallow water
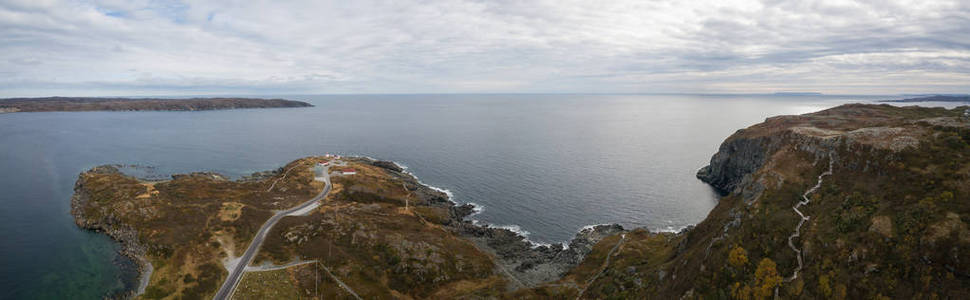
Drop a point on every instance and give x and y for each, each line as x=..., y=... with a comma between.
x=547, y=164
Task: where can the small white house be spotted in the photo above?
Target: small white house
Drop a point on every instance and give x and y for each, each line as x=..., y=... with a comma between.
x=324, y=163
x=348, y=172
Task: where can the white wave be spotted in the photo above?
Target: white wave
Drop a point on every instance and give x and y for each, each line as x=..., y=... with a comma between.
x=476, y=208
x=590, y=227
x=671, y=229
x=515, y=228
x=451, y=196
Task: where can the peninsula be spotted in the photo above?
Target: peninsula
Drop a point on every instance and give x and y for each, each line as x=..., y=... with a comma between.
x=935, y=98
x=48, y=104
x=857, y=201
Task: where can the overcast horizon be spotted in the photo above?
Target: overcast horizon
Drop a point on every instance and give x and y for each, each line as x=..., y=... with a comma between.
x=117, y=48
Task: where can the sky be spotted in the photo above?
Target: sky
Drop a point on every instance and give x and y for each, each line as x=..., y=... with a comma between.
x=114, y=48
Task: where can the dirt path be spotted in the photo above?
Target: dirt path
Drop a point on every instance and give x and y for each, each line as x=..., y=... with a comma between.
x=797, y=233
x=340, y=283
x=281, y=178
x=606, y=265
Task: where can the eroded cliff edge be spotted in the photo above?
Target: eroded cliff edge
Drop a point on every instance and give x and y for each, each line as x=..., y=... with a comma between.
x=874, y=200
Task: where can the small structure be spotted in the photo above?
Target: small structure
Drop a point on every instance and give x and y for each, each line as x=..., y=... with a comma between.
x=966, y=114
x=324, y=163
x=348, y=171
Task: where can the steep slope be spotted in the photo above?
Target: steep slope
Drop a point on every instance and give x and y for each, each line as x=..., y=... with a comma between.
x=885, y=195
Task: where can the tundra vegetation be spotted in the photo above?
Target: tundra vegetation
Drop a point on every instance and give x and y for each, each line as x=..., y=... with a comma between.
x=889, y=222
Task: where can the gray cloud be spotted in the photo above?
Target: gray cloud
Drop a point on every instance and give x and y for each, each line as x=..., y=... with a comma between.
x=491, y=46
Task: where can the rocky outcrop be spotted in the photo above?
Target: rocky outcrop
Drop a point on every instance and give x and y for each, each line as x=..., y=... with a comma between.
x=528, y=264
x=105, y=222
x=390, y=165
x=735, y=159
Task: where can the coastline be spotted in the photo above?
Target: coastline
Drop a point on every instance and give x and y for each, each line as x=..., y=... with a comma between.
x=127, y=237
x=527, y=262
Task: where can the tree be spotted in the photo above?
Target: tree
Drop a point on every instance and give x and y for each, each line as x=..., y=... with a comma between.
x=766, y=279
x=738, y=257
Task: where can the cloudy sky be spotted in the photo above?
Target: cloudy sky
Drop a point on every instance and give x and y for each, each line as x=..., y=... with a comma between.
x=116, y=47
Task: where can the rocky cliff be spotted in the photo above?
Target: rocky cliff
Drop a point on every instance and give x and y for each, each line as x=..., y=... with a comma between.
x=857, y=201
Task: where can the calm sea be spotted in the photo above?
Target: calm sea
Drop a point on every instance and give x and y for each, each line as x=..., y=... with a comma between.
x=546, y=165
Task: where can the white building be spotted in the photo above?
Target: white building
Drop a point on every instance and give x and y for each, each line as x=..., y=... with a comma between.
x=348, y=172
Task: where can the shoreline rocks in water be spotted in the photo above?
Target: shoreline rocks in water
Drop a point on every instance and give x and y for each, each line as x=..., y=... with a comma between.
x=524, y=263
x=530, y=264
x=124, y=235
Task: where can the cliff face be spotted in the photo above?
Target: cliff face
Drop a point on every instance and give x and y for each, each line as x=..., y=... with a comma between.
x=858, y=201
x=735, y=159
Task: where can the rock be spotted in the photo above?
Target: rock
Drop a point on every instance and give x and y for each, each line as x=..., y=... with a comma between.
x=108, y=224
x=735, y=159
x=390, y=165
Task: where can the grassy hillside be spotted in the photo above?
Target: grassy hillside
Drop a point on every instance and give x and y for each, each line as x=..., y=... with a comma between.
x=885, y=191
x=890, y=222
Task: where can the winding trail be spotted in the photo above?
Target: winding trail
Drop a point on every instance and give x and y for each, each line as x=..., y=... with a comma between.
x=606, y=264
x=797, y=233
x=281, y=178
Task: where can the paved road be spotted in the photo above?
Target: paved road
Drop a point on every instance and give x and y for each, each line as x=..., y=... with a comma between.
x=225, y=292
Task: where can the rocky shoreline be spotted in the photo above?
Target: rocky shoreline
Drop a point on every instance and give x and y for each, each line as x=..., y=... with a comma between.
x=125, y=235
x=528, y=264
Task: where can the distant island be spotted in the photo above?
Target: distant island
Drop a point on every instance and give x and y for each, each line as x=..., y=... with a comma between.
x=935, y=98
x=48, y=104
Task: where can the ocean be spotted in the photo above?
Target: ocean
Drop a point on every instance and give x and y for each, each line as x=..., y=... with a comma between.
x=543, y=165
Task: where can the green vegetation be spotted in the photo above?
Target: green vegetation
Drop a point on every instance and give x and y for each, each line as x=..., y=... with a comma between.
x=890, y=222
x=181, y=223
x=277, y=284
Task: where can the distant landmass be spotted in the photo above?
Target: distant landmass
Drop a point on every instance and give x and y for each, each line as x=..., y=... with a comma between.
x=48, y=104
x=935, y=98
x=859, y=201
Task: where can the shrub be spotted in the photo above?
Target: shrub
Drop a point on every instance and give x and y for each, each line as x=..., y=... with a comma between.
x=738, y=257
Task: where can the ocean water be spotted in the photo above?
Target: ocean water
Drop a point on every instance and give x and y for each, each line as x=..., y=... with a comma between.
x=546, y=165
